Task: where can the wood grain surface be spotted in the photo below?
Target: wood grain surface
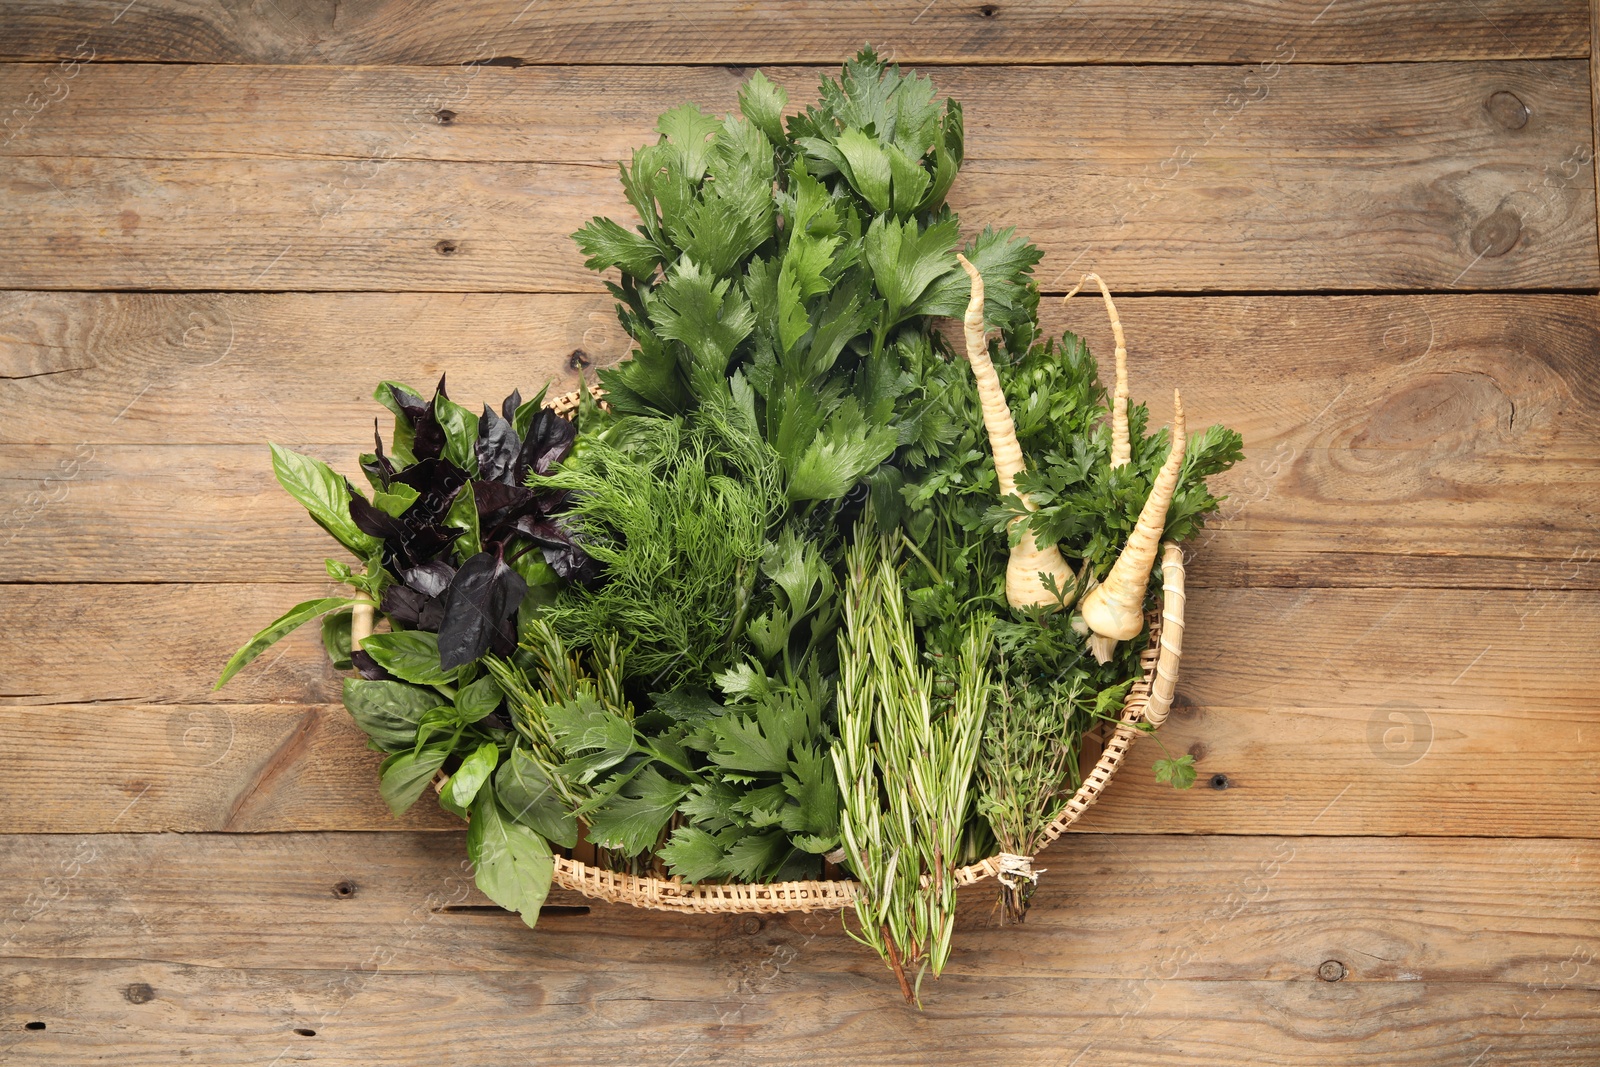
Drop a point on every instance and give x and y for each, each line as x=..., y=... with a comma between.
x=1363, y=233
x=790, y=31
x=1236, y=181
x=1163, y=950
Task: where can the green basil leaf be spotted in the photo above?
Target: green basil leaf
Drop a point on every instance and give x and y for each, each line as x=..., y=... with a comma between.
x=511, y=863
x=463, y=515
x=523, y=417
x=396, y=499
x=405, y=775
x=475, y=701
x=323, y=493
x=437, y=721
x=460, y=433
x=404, y=436
x=412, y=655
x=278, y=628
x=463, y=785
x=336, y=638
x=530, y=799
x=388, y=711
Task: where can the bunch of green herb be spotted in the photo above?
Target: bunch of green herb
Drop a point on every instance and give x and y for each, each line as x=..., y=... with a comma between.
x=678, y=513
x=787, y=265
x=905, y=758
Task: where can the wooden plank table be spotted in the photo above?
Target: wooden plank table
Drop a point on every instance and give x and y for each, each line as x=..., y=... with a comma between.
x=1362, y=232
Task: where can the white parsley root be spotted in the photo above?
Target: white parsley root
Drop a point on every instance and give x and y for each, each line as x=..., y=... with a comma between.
x=1032, y=567
x=1114, y=609
x=1121, y=449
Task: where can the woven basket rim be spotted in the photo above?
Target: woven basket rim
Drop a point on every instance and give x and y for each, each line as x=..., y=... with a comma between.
x=1148, y=700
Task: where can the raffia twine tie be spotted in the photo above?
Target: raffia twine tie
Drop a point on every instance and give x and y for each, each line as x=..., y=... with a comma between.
x=1012, y=869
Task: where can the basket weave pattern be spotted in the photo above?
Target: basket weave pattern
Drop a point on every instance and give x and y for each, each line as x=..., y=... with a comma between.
x=1148, y=700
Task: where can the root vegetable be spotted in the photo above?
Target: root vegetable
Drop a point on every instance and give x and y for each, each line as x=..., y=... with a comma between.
x=1114, y=610
x=1031, y=565
x=1121, y=448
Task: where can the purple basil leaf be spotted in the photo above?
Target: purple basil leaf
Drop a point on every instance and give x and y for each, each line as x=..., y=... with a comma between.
x=430, y=579
x=564, y=554
x=543, y=532
x=500, y=506
x=421, y=545
x=549, y=440
x=429, y=441
x=571, y=563
x=413, y=406
x=374, y=521
x=509, y=407
x=368, y=667
x=480, y=610
x=415, y=609
x=380, y=467
x=430, y=436
x=498, y=448
x=554, y=500
x=437, y=481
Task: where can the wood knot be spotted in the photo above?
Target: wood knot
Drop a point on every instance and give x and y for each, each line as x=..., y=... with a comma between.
x=1495, y=235
x=989, y=11
x=1331, y=971
x=579, y=359
x=1220, y=782
x=445, y=116
x=344, y=890
x=446, y=248
x=1507, y=109
x=139, y=993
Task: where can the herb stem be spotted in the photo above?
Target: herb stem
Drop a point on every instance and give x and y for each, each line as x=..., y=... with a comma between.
x=926, y=562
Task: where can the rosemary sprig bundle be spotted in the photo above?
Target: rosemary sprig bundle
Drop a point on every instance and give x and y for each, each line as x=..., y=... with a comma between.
x=904, y=760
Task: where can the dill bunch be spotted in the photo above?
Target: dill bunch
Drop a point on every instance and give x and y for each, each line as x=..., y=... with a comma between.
x=678, y=513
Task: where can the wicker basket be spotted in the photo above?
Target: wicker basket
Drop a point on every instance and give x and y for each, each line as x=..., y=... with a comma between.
x=1149, y=700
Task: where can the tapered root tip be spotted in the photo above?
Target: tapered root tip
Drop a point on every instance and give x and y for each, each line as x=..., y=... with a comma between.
x=973, y=321
x=972, y=272
x=1085, y=280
